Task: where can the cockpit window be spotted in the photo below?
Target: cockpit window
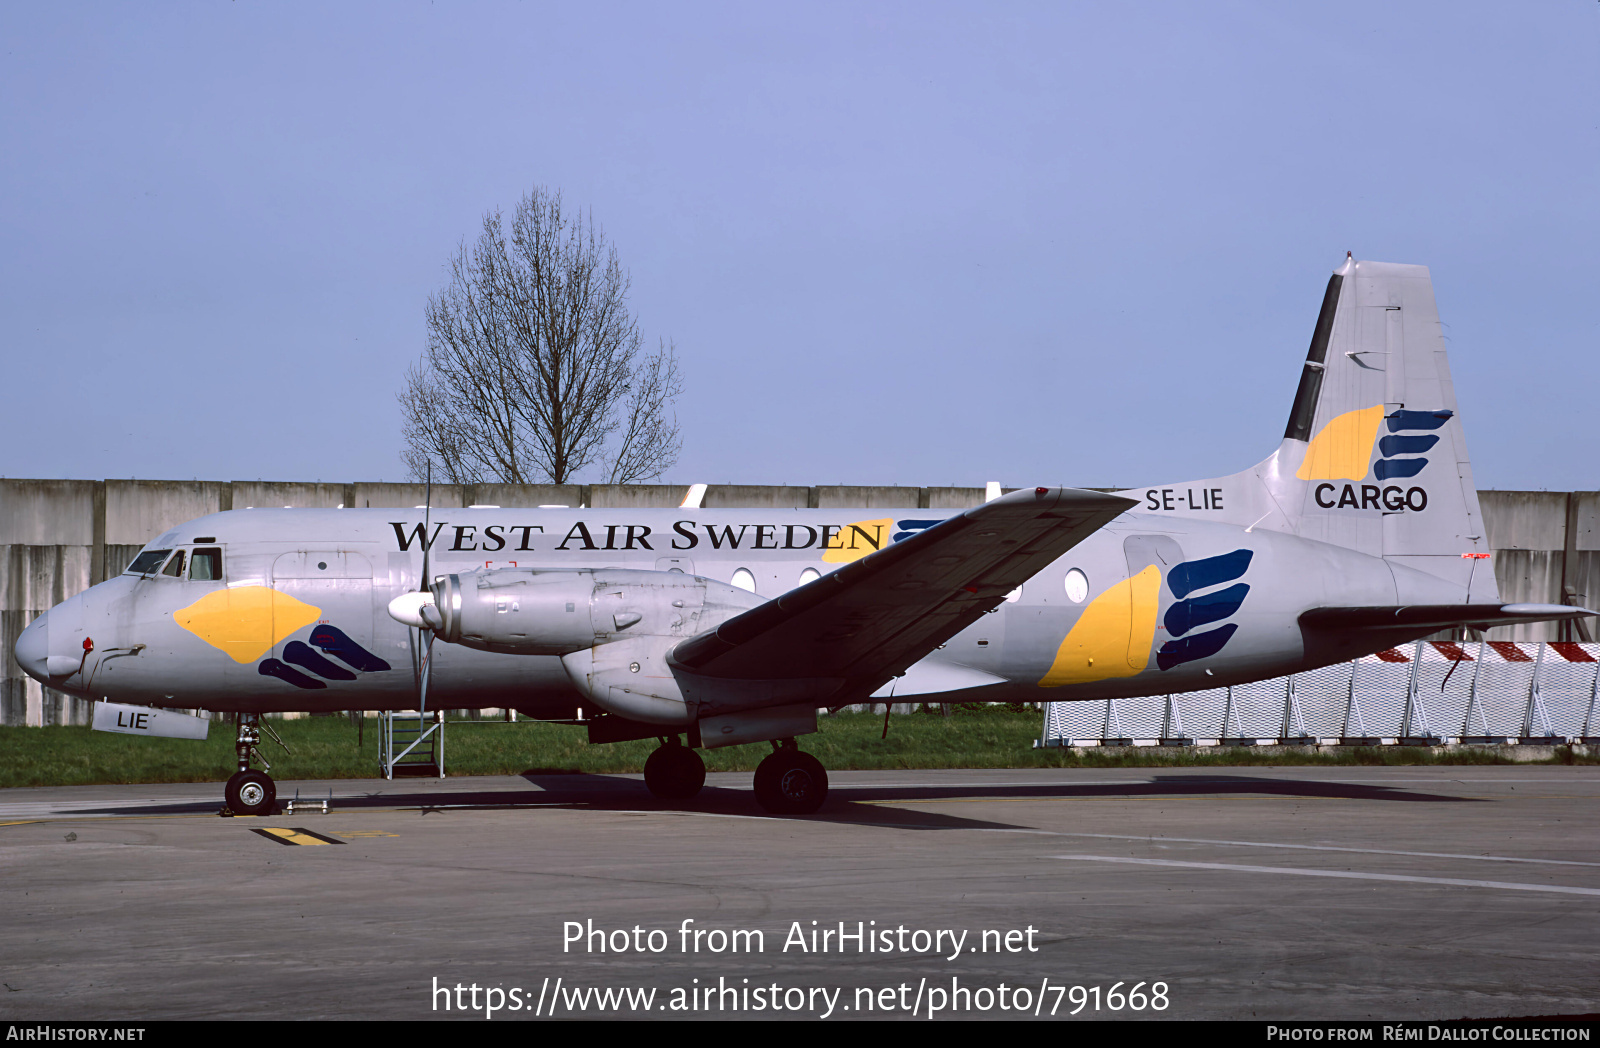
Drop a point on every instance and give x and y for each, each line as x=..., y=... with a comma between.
x=174, y=566
x=147, y=562
x=205, y=565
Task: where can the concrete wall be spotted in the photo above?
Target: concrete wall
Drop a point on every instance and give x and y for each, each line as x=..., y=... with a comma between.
x=1546, y=551
x=58, y=537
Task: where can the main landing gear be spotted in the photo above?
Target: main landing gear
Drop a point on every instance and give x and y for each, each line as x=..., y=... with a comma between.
x=674, y=772
x=789, y=782
x=250, y=792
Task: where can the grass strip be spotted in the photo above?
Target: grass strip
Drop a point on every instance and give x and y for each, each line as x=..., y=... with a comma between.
x=327, y=748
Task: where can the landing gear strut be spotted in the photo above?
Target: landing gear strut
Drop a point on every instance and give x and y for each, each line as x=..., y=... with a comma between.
x=789, y=782
x=674, y=771
x=250, y=792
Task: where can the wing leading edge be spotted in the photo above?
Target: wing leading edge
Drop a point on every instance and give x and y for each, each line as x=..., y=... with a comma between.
x=867, y=622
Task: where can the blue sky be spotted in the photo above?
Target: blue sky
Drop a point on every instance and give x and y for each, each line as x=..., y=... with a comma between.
x=895, y=243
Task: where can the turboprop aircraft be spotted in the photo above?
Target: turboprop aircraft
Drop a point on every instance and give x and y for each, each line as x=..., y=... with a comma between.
x=706, y=628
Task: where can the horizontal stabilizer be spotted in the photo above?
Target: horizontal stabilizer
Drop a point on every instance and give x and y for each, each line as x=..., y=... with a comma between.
x=1436, y=616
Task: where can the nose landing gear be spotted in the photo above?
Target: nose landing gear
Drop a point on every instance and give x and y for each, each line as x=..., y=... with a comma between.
x=674, y=771
x=250, y=792
x=789, y=782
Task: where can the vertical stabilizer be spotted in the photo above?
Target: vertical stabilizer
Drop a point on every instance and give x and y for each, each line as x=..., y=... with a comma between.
x=1373, y=457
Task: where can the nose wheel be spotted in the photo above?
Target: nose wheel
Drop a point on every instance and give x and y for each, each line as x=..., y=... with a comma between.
x=789, y=782
x=250, y=792
x=674, y=771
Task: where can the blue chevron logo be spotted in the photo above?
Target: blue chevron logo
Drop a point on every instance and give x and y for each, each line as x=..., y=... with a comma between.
x=1187, y=613
x=1400, y=442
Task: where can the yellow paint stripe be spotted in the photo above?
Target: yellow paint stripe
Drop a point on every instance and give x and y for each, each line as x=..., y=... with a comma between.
x=1116, y=628
x=24, y=822
x=284, y=833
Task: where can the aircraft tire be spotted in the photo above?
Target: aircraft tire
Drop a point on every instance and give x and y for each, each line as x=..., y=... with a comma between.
x=251, y=793
x=789, y=782
x=674, y=773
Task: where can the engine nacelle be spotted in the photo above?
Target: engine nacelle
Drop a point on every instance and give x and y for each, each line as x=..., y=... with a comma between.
x=614, y=630
x=613, y=627
x=518, y=611
x=536, y=611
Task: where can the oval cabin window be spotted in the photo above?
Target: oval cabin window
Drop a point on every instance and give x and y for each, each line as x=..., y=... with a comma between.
x=744, y=580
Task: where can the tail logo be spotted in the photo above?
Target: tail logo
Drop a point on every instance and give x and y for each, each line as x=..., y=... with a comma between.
x=1350, y=446
x=1407, y=437
x=1342, y=449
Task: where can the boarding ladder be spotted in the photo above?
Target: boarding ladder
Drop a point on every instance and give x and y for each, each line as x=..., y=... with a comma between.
x=413, y=743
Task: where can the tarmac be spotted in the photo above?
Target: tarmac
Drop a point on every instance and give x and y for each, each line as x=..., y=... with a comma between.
x=1371, y=893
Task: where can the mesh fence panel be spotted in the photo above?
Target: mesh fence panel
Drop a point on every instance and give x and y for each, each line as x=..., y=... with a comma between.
x=1142, y=717
x=1492, y=680
x=1321, y=697
x=1378, y=698
x=1202, y=712
x=1503, y=679
x=1083, y=721
x=1444, y=685
x=1258, y=708
x=1567, y=687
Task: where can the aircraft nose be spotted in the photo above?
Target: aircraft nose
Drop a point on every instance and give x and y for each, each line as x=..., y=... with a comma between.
x=33, y=650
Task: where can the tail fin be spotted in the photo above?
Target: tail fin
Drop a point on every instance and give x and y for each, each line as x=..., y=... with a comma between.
x=1373, y=458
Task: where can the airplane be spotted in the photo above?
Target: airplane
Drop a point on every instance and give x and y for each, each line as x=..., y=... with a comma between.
x=706, y=628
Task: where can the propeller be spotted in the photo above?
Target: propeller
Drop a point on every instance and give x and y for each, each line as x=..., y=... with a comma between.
x=426, y=586
x=417, y=608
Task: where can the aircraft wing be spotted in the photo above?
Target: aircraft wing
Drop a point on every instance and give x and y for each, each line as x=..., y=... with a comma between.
x=868, y=621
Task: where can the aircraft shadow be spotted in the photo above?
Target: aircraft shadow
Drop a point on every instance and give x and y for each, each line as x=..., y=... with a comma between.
x=847, y=804
x=1161, y=786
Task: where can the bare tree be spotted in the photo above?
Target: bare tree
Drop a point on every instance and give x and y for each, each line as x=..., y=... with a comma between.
x=533, y=369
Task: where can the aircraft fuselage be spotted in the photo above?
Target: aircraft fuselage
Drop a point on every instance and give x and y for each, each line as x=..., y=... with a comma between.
x=1149, y=604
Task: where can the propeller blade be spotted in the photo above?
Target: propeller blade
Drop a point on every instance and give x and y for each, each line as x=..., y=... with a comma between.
x=427, y=513
x=418, y=609
x=422, y=687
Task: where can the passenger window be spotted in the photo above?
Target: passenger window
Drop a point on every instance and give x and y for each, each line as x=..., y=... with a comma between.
x=205, y=565
x=174, y=566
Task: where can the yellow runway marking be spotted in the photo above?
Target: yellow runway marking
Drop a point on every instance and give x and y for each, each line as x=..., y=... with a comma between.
x=24, y=822
x=295, y=835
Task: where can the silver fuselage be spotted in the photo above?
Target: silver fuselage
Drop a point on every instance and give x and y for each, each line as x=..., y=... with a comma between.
x=209, y=643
